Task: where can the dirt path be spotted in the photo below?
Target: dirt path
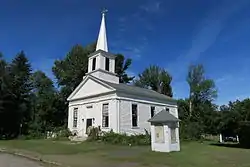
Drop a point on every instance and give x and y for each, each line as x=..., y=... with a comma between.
x=7, y=160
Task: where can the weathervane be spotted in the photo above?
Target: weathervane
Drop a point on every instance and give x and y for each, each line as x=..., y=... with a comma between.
x=104, y=11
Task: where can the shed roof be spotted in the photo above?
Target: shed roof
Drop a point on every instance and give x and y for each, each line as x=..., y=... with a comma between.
x=163, y=117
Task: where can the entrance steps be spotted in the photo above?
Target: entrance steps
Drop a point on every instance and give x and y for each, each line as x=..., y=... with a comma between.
x=78, y=138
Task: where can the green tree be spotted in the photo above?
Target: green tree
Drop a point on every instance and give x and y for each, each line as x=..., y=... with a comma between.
x=232, y=115
x=46, y=104
x=209, y=118
x=19, y=72
x=198, y=114
x=243, y=108
x=72, y=68
x=42, y=84
x=183, y=109
x=157, y=79
x=121, y=66
x=201, y=89
x=6, y=99
x=2, y=81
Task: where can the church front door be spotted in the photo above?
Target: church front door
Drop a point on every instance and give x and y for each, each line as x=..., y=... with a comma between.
x=88, y=124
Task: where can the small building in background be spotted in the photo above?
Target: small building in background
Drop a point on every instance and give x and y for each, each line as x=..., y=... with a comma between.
x=164, y=132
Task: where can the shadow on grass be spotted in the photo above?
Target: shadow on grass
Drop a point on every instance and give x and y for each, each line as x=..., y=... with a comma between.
x=230, y=145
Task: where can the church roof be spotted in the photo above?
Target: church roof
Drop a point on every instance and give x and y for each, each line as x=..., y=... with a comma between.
x=163, y=117
x=134, y=90
x=128, y=90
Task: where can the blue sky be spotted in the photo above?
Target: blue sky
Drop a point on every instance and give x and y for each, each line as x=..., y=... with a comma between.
x=168, y=33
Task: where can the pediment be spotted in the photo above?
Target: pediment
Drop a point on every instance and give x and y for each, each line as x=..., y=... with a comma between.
x=90, y=87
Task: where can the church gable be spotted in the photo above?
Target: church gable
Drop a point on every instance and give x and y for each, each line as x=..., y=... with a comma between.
x=89, y=87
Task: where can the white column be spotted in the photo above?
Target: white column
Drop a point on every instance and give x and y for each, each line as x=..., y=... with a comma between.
x=152, y=137
x=178, y=138
x=167, y=138
x=221, y=141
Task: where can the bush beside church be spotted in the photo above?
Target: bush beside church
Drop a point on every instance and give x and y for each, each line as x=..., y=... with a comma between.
x=122, y=139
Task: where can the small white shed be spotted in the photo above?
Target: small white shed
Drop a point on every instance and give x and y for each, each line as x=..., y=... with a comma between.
x=164, y=132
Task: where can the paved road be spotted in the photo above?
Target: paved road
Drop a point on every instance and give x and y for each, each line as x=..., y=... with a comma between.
x=7, y=160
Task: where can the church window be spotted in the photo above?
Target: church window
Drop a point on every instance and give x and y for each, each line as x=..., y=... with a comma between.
x=93, y=64
x=134, y=115
x=107, y=64
x=152, y=111
x=105, y=115
x=75, y=113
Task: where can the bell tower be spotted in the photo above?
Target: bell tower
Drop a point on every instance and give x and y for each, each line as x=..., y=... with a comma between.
x=101, y=63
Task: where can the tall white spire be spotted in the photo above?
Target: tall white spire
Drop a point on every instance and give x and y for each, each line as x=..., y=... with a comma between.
x=102, y=43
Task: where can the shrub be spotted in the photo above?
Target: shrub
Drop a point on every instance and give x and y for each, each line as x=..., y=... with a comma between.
x=124, y=139
x=32, y=135
x=93, y=133
x=190, y=131
x=110, y=137
x=62, y=132
x=35, y=132
x=59, y=133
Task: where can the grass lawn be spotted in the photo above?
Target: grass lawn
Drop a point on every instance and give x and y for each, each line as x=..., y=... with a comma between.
x=193, y=154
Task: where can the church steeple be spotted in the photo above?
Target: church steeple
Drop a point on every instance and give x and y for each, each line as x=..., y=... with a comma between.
x=102, y=63
x=102, y=37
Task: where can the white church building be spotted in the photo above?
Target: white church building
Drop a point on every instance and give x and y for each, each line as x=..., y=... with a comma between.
x=101, y=101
